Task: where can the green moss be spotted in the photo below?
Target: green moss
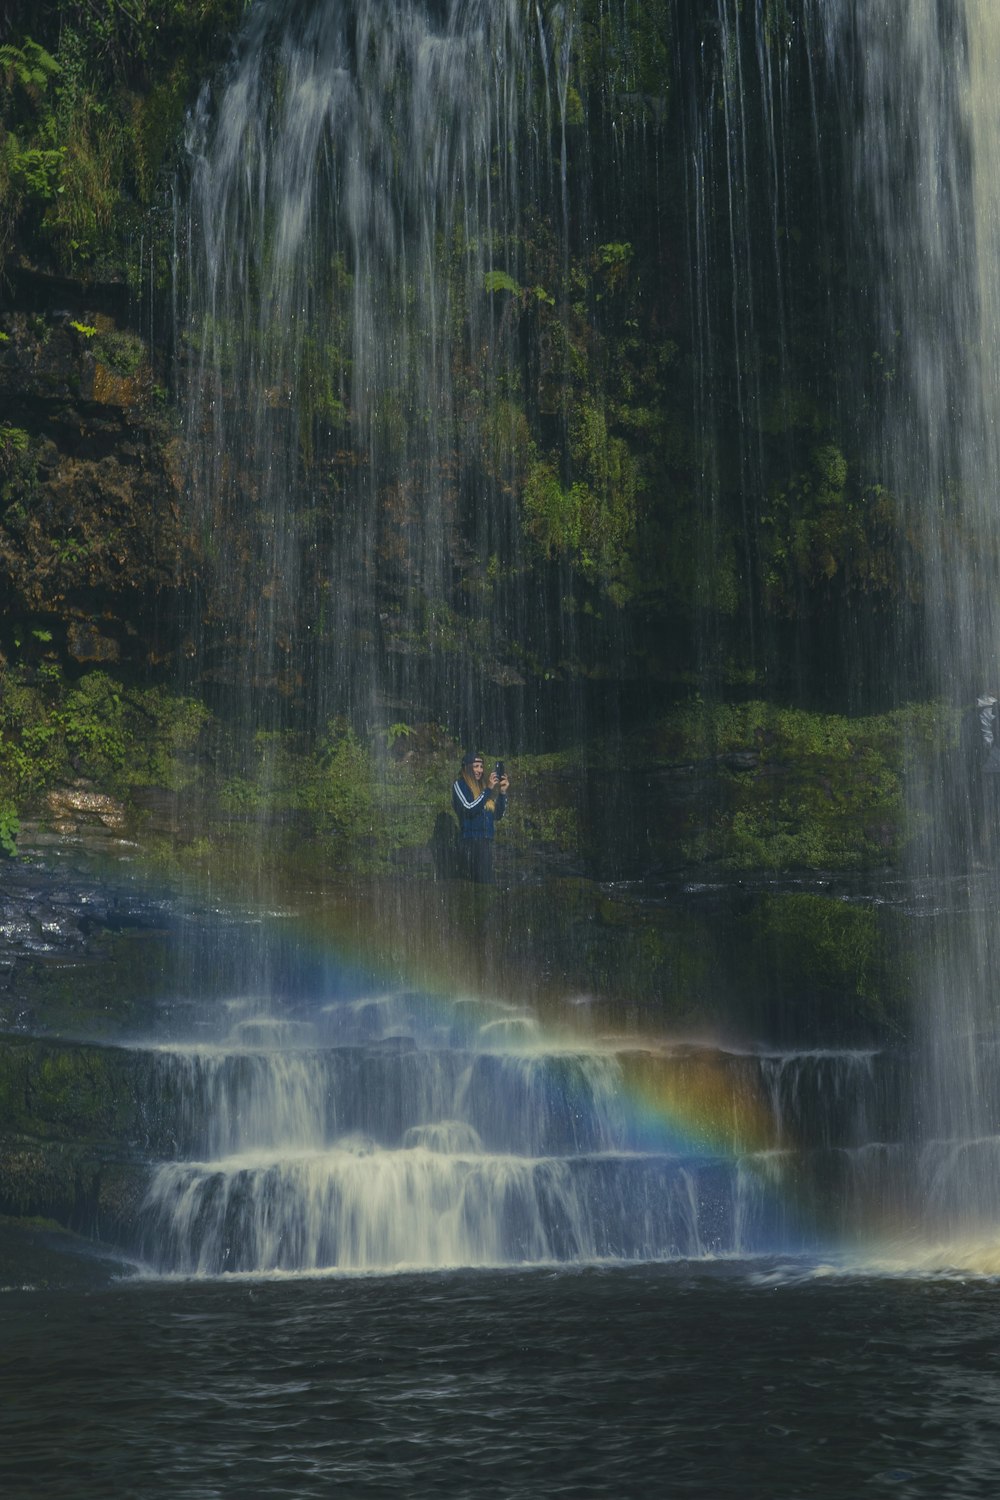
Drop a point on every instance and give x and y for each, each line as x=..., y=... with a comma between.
x=816, y=948
x=39, y=1180
x=551, y=512
x=124, y=738
x=625, y=51
x=65, y=1092
x=794, y=789
x=819, y=528
x=700, y=728
x=156, y=119
x=122, y=352
x=590, y=520
x=575, y=114
x=89, y=108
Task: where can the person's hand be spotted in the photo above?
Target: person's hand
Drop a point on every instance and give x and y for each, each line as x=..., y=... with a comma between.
x=493, y=779
x=504, y=783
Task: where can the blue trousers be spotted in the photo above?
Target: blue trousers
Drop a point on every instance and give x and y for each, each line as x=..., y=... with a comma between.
x=477, y=858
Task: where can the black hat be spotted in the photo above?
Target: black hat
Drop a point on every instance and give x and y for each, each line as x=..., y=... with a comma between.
x=469, y=757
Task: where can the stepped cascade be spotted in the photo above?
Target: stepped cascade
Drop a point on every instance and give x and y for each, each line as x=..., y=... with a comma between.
x=400, y=1131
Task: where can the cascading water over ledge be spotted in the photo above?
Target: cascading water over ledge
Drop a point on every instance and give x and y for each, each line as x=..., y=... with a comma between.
x=405, y=1131
x=374, y=1152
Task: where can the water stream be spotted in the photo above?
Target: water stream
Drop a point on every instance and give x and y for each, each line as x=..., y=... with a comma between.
x=921, y=118
x=354, y=225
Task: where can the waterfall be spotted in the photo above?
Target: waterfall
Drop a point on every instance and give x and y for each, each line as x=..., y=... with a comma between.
x=922, y=123
x=733, y=123
x=370, y=357
x=888, y=108
x=397, y=1131
x=360, y=186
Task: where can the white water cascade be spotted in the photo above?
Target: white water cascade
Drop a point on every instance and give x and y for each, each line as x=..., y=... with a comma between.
x=922, y=116
x=400, y=1132
x=357, y=193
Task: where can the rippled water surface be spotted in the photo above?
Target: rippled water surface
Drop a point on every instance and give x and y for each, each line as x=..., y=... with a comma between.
x=710, y=1380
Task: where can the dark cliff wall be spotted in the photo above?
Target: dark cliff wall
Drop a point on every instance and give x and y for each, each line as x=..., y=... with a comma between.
x=687, y=453
x=92, y=535
x=684, y=427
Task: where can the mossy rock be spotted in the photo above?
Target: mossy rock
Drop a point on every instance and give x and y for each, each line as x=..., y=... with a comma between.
x=102, y=992
x=71, y=1092
x=72, y=1186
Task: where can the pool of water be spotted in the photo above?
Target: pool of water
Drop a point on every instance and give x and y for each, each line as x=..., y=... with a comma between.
x=751, y=1379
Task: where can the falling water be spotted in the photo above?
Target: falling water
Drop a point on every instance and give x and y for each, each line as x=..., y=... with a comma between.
x=363, y=184
x=734, y=108
x=396, y=1131
x=901, y=139
x=923, y=124
x=360, y=187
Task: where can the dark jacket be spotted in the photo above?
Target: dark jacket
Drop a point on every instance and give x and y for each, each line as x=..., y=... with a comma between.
x=475, y=819
x=989, y=730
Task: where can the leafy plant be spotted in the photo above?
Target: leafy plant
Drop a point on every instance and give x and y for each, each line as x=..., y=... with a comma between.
x=10, y=825
x=13, y=441
x=500, y=281
x=29, y=65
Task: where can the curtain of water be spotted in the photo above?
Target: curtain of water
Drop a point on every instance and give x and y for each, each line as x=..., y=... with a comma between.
x=361, y=188
x=358, y=195
x=921, y=106
x=752, y=176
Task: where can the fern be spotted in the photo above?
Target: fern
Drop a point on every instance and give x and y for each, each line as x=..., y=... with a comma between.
x=30, y=65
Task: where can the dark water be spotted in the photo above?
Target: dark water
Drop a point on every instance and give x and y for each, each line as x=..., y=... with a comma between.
x=689, y=1379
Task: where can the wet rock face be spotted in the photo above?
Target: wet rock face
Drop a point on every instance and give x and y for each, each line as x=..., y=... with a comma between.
x=90, y=525
x=68, y=807
x=84, y=642
x=77, y=953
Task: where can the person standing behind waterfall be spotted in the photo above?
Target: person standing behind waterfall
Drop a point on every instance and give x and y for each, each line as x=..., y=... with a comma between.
x=989, y=730
x=479, y=802
x=985, y=797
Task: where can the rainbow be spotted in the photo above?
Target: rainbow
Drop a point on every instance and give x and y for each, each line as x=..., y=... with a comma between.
x=446, y=942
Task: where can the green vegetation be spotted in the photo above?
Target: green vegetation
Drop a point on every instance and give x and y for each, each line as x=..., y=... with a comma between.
x=638, y=498
x=13, y=442
x=818, y=947
x=52, y=732
x=10, y=825
x=799, y=790
x=585, y=439
x=781, y=789
x=92, y=94
x=626, y=54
